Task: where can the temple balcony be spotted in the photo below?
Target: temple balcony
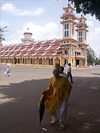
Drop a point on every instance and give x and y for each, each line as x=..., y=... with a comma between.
x=80, y=56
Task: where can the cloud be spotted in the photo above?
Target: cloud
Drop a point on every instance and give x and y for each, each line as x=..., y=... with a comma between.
x=92, y=17
x=90, y=23
x=94, y=40
x=37, y=12
x=48, y=31
x=10, y=8
x=3, y=23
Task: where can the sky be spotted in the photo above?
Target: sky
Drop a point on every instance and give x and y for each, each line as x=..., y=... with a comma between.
x=42, y=17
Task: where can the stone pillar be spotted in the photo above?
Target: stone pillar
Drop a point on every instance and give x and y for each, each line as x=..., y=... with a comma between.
x=32, y=62
x=5, y=61
x=24, y=62
x=61, y=61
x=17, y=62
x=69, y=60
x=42, y=62
x=53, y=61
x=0, y=61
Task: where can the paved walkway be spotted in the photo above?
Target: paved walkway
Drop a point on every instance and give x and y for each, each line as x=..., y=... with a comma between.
x=20, y=94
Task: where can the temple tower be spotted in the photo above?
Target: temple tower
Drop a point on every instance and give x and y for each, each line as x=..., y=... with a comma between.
x=82, y=37
x=68, y=22
x=82, y=30
x=68, y=40
x=27, y=37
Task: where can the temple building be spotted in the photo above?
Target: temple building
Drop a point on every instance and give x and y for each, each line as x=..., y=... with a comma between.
x=46, y=53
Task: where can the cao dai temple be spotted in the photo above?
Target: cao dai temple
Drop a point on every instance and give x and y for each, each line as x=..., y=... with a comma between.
x=46, y=53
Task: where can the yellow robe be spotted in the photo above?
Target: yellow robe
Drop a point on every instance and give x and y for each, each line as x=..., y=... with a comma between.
x=57, y=91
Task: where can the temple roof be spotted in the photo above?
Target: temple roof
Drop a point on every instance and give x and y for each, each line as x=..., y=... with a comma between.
x=67, y=14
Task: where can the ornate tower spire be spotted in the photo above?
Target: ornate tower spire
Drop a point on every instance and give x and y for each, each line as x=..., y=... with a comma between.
x=27, y=37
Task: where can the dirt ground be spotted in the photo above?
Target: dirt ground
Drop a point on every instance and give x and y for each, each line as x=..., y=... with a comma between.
x=20, y=94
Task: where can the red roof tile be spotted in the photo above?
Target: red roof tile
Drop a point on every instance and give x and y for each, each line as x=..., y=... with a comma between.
x=20, y=54
x=47, y=41
x=25, y=49
x=28, y=54
x=38, y=54
x=40, y=42
x=54, y=47
x=12, y=55
x=49, y=53
x=35, y=48
x=11, y=50
x=44, y=47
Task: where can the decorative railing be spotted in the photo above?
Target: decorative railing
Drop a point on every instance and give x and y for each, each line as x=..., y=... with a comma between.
x=65, y=54
x=80, y=56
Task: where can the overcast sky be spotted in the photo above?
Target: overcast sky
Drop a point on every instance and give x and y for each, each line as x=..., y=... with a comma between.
x=43, y=19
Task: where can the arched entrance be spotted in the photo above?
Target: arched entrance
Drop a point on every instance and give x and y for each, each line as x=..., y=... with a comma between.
x=77, y=62
x=15, y=60
x=65, y=62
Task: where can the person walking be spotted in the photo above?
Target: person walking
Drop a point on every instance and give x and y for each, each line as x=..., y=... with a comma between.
x=56, y=96
x=69, y=72
x=7, y=72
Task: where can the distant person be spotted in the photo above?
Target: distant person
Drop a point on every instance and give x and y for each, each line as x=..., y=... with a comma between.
x=56, y=96
x=62, y=72
x=69, y=72
x=7, y=72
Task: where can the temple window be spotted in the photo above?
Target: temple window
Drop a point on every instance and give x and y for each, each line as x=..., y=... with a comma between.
x=66, y=18
x=66, y=30
x=84, y=53
x=72, y=51
x=66, y=26
x=80, y=20
x=80, y=36
x=66, y=33
x=80, y=33
x=72, y=61
x=80, y=39
x=66, y=52
x=66, y=10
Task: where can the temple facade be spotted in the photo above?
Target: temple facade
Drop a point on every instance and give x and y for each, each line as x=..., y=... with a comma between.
x=46, y=53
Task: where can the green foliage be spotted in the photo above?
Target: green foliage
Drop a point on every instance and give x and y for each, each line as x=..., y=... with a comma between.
x=87, y=7
x=91, y=57
x=97, y=61
x=1, y=32
x=1, y=37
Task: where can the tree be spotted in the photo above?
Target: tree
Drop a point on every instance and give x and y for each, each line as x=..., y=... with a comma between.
x=97, y=61
x=87, y=7
x=91, y=56
x=1, y=32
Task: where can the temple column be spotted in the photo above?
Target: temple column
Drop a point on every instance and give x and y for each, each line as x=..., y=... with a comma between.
x=24, y=62
x=69, y=61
